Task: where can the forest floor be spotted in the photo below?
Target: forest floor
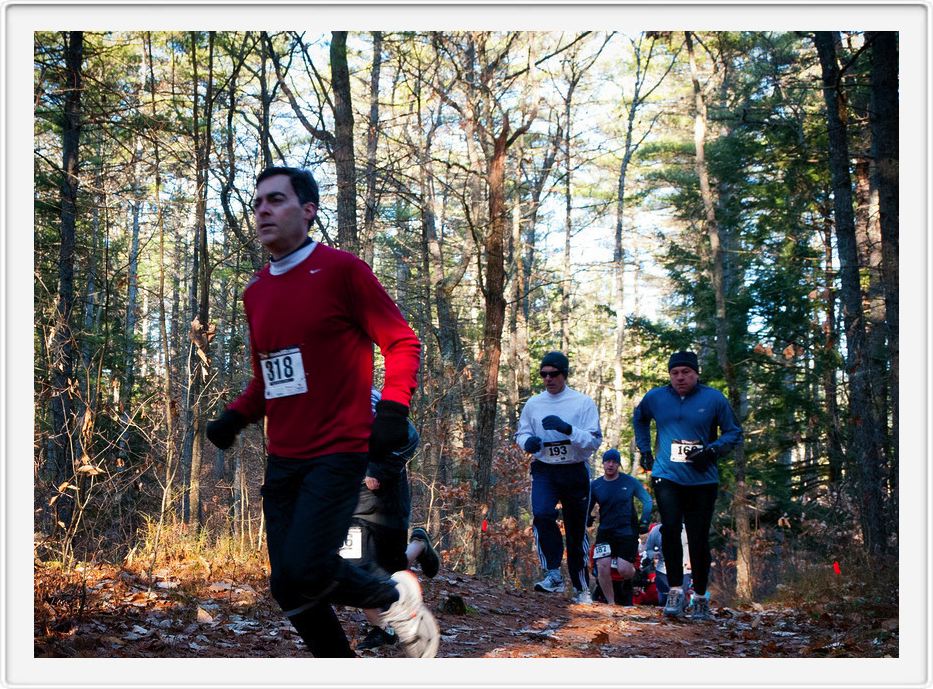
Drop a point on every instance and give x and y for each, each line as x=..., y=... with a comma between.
x=192, y=610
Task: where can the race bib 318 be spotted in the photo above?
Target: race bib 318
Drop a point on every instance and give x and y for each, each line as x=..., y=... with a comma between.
x=283, y=373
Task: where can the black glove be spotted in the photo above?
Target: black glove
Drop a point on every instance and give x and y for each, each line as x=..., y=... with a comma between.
x=643, y=526
x=223, y=431
x=555, y=423
x=384, y=472
x=700, y=457
x=646, y=460
x=533, y=444
x=390, y=429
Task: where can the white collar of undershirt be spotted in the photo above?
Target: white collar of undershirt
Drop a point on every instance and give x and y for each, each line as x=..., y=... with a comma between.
x=286, y=263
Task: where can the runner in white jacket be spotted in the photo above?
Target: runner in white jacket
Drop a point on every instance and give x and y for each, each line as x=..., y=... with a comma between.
x=560, y=428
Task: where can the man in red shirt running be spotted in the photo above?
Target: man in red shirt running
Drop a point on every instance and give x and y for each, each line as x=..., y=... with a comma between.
x=314, y=313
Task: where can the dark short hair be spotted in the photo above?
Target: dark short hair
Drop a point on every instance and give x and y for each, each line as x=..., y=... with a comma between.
x=302, y=182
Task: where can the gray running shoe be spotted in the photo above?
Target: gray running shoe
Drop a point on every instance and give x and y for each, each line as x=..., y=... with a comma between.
x=410, y=618
x=429, y=560
x=700, y=605
x=552, y=582
x=675, y=603
x=583, y=598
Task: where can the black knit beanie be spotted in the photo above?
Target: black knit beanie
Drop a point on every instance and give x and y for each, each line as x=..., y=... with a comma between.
x=684, y=359
x=557, y=360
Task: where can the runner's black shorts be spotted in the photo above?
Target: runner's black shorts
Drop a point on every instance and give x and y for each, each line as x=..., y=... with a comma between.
x=621, y=545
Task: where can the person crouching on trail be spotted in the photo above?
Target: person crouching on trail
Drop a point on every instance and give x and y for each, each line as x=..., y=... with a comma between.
x=654, y=554
x=378, y=538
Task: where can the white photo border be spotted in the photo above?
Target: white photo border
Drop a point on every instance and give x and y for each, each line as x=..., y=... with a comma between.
x=19, y=667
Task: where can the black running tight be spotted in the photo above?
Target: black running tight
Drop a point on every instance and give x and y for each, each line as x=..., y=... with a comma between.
x=692, y=507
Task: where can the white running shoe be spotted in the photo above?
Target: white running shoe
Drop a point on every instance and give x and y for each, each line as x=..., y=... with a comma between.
x=583, y=598
x=551, y=583
x=414, y=624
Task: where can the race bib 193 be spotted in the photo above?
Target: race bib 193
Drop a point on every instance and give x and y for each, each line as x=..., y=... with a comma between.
x=283, y=373
x=680, y=449
x=555, y=449
x=352, y=548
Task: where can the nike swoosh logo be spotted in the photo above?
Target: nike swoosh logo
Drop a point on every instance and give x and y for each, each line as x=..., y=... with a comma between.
x=312, y=271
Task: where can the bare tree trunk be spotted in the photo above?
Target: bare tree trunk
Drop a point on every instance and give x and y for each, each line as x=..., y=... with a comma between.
x=372, y=142
x=62, y=451
x=884, y=147
x=99, y=243
x=495, y=317
x=868, y=247
x=343, y=144
x=864, y=429
x=519, y=375
x=621, y=414
x=526, y=259
x=447, y=391
x=830, y=341
x=201, y=330
x=744, y=576
x=566, y=278
x=265, y=99
x=127, y=380
x=577, y=69
x=233, y=220
x=517, y=337
x=168, y=406
x=618, y=293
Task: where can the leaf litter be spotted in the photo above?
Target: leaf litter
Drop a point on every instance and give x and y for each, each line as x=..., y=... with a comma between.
x=108, y=612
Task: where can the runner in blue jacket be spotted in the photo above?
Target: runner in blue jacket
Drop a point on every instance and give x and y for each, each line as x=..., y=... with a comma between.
x=695, y=426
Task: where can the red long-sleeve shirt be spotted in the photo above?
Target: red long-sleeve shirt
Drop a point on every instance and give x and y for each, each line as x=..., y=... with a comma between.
x=332, y=308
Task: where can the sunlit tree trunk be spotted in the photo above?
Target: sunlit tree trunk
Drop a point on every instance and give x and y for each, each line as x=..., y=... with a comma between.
x=343, y=143
x=125, y=389
x=202, y=331
x=744, y=579
x=168, y=404
x=829, y=369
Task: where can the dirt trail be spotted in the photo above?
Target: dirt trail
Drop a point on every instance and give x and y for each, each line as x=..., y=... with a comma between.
x=114, y=613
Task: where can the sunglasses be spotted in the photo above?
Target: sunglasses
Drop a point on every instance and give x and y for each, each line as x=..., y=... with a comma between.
x=550, y=374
